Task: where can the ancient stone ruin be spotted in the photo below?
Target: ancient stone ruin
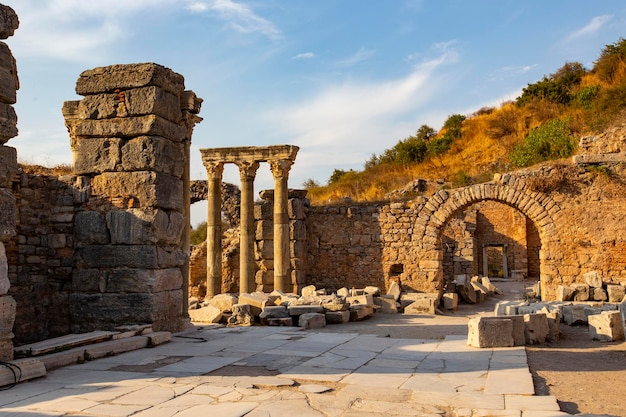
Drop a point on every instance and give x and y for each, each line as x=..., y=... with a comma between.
x=107, y=244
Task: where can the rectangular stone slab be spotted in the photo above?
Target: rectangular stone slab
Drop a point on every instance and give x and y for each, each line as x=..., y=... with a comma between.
x=62, y=342
x=126, y=76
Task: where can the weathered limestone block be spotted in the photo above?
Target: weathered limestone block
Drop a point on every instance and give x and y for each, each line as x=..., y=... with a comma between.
x=366, y=299
x=423, y=306
x=127, y=76
x=333, y=303
x=394, y=290
x=574, y=314
x=105, y=311
x=7, y=316
x=450, y=301
x=565, y=293
x=140, y=227
x=91, y=228
x=5, y=284
x=241, y=316
x=8, y=166
x=9, y=82
x=486, y=282
x=126, y=280
x=616, y=293
x=489, y=332
x=153, y=153
x=554, y=321
x=224, y=302
x=606, y=326
x=312, y=321
x=8, y=123
x=593, y=279
x=599, y=294
x=142, y=189
x=205, y=314
x=257, y=301
x=96, y=155
x=264, y=230
x=9, y=22
x=337, y=317
x=23, y=370
x=134, y=102
x=273, y=312
x=309, y=291
x=582, y=292
x=519, y=330
x=296, y=310
x=372, y=290
x=537, y=328
x=387, y=304
x=129, y=127
x=135, y=256
x=360, y=312
x=7, y=214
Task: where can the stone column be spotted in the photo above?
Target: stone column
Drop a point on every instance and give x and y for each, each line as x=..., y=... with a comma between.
x=247, y=173
x=282, y=278
x=214, y=228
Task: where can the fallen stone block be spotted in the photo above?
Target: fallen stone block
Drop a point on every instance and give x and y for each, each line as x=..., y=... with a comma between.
x=158, y=338
x=486, y=282
x=59, y=359
x=450, y=301
x=489, y=332
x=257, y=301
x=241, y=316
x=599, y=294
x=425, y=305
x=508, y=308
x=308, y=291
x=606, y=326
x=565, y=293
x=386, y=304
x=394, y=290
x=370, y=289
x=519, y=330
x=574, y=314
x=305, y=309
x=581, y=292
x=360, y=312
x=208, y=314
x=593, y=279
x=343, y=292
x=21, y=370
x=278, y=321
x=312, y=321
x=333, y=303
x=365, y=299
x=537, y=329
x=337, y=317
x=224, y=302
x=615, y=293
x=554, y=321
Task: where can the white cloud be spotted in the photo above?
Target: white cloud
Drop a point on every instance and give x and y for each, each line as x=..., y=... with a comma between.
x=243, y=19
x=510, y=71
x=305, y=55
x=592, y=27
x=361, y=55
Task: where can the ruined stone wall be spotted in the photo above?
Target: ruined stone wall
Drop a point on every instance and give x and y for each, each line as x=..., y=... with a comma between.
x=41, y=256
x=460, y=250
x=8, y=168
x=130, y=138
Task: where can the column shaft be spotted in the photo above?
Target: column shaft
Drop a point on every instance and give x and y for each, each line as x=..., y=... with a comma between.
x=282, y=278
x=214, y=230
x=247, y=172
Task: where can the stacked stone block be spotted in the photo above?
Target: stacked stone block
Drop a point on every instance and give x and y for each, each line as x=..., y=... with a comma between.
x=8, y=167
x=298, y=206
x=130, y=138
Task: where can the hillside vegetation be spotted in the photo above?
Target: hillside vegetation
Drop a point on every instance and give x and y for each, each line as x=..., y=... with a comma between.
x=543, y=123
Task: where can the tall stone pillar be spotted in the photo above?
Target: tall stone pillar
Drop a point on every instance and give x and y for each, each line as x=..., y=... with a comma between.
x=282, y=276
x=129, y=136
x=214, y=228
x=8, y=168
x=247, y=172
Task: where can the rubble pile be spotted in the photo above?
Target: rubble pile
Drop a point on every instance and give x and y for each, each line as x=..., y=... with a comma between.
x=313, y=308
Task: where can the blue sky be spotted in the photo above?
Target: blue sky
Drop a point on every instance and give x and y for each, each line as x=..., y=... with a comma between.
x=341, y=79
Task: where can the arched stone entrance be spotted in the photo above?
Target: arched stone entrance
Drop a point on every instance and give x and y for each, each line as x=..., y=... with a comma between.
x=506, y=189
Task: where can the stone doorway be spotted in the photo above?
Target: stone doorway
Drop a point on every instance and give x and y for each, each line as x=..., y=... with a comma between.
x=495, y=264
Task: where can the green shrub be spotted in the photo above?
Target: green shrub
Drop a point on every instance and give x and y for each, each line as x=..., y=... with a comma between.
x=552, y=140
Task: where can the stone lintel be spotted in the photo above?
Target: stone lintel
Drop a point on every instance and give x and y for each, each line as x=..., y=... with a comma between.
x=249, y=153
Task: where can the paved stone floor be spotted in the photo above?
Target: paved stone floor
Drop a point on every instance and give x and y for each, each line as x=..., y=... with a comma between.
x=280, y=371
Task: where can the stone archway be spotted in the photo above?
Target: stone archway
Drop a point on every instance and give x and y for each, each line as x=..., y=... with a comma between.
x=540, y=208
